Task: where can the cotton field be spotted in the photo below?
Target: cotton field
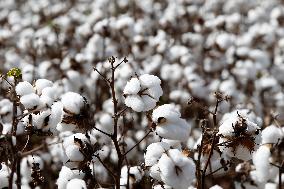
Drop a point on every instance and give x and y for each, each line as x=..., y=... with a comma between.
x=130, y=94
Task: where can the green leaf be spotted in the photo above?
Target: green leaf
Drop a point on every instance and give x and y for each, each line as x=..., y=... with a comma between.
x=14, y=72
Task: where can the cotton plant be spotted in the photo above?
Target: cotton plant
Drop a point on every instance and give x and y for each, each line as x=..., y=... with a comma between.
x=76, y=113
x=36, y=97
x=79, y=149
x=240, y=137
x=142, y=93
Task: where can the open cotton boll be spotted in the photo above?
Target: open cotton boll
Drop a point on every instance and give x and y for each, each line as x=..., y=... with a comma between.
x=242, y=137
x=72, y=102
x=4, y=176
x=143, y=93
x=175, y=131
x=30, y=101
x=270, y=185
x=166, y=111
x=50, y=92
x=56, y=114
x=135, y=102
x=24, y=88
x=132, y=86
x=176, y=169
x=169, y=125
x=173, y=143
x=73, y=153
x=154, y=151
x=155, y=92
x=62, y=127
x=155, y=172
x=272, y=135
x=40, y=84
x=41, y=119
x=76, y=183
x=26, y=167
x=262, y=163
x=66, y=174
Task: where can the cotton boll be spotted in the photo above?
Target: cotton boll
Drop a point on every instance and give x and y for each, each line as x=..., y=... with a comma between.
x=56, y=113
x=4, y=176
x=72, y=102
x=147, y=80
x=24, y=88
x=50, y=92
x=270, y=186
x=41, y=120
x=241, y=136
x=73, y=147
x=166, y=111
x=62, y=127
x=40, y=84
x=154, y=151
x=132, y=86
x=66, y=175
x=154, y=92
x=169, y=124
x=216, y=187
x=173, y=143
x=30, y=101
x=155, y=172
x=26, y=167
x=262, y=163
x=177, y=170
x=142, y=94
x=149, y=102
x=73, y=153
x=76, y=183
x=272, y=135
x=135, y=102
x=6, y=109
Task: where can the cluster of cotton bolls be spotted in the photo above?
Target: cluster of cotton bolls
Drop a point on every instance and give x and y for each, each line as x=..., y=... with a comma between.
x=176, y=51
x=41, y=99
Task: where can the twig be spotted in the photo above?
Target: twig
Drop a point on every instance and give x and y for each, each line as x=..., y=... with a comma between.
x=105, y=166
x=105, y=133
x=104, y=78
x=137, y=143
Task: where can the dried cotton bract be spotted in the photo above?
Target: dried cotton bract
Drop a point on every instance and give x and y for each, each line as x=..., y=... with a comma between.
x=142, y=94
x=239, y=136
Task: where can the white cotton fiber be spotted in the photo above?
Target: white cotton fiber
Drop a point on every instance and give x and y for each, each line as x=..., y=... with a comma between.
x=73, y=102
x=30, y=101
x=40, y=84
x=24, y=88
x=132, y=86
x=272, y=135
x=76, y=184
